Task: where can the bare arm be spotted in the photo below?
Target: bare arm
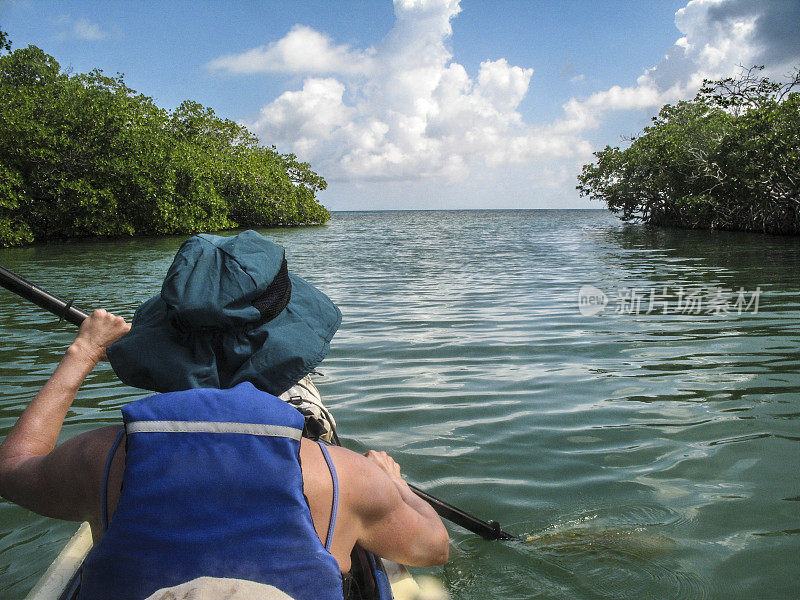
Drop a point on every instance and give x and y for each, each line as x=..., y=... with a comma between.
x=396, y=523
x=33, y=472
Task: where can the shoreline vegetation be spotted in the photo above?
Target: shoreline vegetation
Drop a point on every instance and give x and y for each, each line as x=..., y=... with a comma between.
x=729, y=159
x=83, y=155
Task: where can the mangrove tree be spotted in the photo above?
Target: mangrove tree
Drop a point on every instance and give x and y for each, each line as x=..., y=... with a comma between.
x=83, y=155
x=729, y=159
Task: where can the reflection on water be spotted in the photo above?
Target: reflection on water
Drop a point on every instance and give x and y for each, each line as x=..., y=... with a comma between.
x=647, y=455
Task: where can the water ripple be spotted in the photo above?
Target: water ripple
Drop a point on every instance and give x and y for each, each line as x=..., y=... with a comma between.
x=648, y=455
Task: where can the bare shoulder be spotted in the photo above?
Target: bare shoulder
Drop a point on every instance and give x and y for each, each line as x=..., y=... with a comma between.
x=87, y=452
x=64, y=483
x=77, y=467
x=389, y=519
x=353, y=470
x=95, y=444
x=365, y=487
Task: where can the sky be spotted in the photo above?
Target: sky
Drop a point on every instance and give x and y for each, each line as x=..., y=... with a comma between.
x=422, y=104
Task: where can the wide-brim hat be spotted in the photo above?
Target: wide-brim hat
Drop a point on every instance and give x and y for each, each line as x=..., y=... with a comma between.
x=229, y=311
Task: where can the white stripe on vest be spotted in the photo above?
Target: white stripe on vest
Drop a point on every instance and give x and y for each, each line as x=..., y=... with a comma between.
x=212, y=427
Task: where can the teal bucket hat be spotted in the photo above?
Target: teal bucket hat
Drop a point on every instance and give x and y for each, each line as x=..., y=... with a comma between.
x=229, y=311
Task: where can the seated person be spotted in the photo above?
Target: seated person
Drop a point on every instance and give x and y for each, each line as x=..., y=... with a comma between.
x=208, y=482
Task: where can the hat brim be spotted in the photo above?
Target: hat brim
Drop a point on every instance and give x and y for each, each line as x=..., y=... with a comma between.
x=273, y=356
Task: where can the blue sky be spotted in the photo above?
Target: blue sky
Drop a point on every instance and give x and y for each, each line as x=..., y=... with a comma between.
x=422, y=103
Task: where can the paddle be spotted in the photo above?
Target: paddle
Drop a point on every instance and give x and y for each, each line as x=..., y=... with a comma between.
x=488, y=530
x=42, y=298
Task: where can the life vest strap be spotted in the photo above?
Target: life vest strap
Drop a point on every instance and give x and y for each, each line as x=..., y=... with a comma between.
x=106, y=472
x=335, y=501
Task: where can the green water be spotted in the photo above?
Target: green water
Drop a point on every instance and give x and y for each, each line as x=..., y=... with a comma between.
x=648, y=455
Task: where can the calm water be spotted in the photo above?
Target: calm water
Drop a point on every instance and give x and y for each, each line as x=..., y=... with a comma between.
x=649, y=455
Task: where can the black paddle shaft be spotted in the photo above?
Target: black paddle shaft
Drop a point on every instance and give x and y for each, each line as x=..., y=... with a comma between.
x=488, y=530
x=42, y=298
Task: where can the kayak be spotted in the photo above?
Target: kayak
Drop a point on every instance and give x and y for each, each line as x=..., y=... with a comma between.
x=61, y=581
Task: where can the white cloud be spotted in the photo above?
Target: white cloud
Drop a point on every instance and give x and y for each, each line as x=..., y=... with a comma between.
x=718, y=37
x=86, y=30
x=307, y=117
x=303, y=50
x=405, y=110
x=402, y=110
x=81, y=29
x=504, y=86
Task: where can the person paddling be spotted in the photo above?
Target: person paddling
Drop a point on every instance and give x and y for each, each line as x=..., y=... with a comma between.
x=213, y=480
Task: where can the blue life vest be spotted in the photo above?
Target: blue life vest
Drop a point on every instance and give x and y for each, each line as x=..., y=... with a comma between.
x=212, y=487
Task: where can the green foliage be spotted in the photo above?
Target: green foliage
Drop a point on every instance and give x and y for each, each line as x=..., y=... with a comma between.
x=5, y=43
x=729, y=159
x=84, y=155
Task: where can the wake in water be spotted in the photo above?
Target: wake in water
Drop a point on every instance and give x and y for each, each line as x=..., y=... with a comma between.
x=599, y=556
x=581, y=537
